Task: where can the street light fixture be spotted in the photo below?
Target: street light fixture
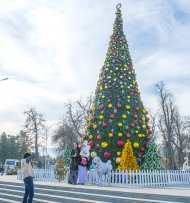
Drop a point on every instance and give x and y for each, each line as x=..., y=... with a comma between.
x=4, y=79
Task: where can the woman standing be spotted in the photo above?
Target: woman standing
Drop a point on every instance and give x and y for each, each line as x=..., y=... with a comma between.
x=83, y=163
x=28, y=175
x=73, y=167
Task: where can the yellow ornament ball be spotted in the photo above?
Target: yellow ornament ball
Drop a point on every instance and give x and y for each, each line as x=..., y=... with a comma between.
x=110, y=106
x=111, y=71
x=108, y=65
x=106, y=87
x=118, y=153
x=143, y=119
x=101, y=117
x=124, y=116
x=140, y=135
x=118, y=160
x=93, y=154
x=120, y=124
x=122, y=86
x=127, y=107
x=90, y=137
x=143, y=126
x=128, y=87
x=103, y=96
x=136, y=145
x=144, y=111
x=110, y=134
x=119, y=134
x=95, y=126
x=136, y=131
x=104, y=144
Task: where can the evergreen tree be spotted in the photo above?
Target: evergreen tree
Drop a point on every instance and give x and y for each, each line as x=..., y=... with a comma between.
x=67, y=155
x=118, y=114
x=128, y=160
x=151, y=158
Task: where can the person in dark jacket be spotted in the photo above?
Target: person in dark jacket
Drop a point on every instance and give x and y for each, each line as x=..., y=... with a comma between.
x=1, y=169
x=73, y=167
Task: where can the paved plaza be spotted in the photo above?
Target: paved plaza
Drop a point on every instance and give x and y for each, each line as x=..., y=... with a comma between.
x=62, y=192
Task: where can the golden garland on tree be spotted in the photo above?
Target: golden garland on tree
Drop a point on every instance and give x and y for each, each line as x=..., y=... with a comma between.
x=128, y=160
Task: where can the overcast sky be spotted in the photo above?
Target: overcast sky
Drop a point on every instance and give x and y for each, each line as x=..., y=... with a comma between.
x=53, y=50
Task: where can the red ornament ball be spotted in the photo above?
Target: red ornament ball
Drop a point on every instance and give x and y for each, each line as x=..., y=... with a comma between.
x=112, y=116
x=104, y=125
x=136, y=108
x=118, y=105
x=128, y=135
x=99, y=137
x=93, y=118
x=148, y=127
x=132, y=125
x=142, y=149
x=107, y=155
x=135, y=116
x=84, y=138
x=101, y=107
x=120, y=143
x=91, y=144
x=148, y=137
x=150, y=131
x=139, y=155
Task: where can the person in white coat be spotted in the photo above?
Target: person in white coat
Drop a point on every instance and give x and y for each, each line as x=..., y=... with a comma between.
x=28, y=175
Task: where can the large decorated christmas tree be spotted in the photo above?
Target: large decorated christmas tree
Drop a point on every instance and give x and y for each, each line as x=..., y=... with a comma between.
x=118, y=114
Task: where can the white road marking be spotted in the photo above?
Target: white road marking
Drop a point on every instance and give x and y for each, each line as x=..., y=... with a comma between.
x=89, y=194
x=56, y=196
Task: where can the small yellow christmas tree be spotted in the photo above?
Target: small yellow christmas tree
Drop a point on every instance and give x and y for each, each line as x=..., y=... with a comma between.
x=128, y=160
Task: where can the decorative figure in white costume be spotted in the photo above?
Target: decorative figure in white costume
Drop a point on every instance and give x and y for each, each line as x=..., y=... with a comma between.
x=186, y=167
x=102, y=169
